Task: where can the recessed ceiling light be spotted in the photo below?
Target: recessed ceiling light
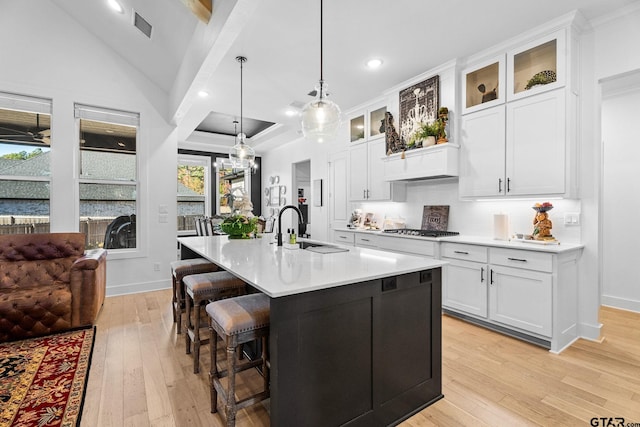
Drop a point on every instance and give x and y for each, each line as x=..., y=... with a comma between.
x=291, y=113
x=113, y=4
x=203, y=94
x=374, y=63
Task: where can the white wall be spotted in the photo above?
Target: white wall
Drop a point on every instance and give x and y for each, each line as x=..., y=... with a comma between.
x=45, y=53
x=621, y=198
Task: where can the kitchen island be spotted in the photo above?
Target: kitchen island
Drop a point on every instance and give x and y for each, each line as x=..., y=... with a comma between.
x=355, y=336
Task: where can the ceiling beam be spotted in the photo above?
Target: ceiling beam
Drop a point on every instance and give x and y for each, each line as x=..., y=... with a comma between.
x=201, y=8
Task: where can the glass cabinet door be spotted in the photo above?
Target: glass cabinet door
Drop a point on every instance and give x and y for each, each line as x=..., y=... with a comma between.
x=356, y=128
x=483, y=85
x=376, y=122
x=537, y=67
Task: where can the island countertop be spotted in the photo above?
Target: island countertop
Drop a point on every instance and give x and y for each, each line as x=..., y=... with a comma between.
x=278, y=271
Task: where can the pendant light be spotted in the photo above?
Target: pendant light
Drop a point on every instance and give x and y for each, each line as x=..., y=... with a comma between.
x=320, y=117
x=242, y=156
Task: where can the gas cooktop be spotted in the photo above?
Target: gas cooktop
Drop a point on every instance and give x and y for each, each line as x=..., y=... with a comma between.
x=422, y=233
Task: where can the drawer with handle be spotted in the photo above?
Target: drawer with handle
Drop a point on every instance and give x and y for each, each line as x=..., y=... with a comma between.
x=463, y=252
x=345, y=237
x=530, y=260
x=366, y=240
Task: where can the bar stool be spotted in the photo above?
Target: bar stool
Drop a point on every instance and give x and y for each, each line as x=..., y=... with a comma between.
x=237, y=321
x=205, y=287
x=179, y=270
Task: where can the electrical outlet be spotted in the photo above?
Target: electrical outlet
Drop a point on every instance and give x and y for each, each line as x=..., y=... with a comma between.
x=156, y=266
x=572, y=218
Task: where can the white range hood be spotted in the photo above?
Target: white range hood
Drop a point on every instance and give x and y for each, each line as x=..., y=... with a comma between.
x=437, y=161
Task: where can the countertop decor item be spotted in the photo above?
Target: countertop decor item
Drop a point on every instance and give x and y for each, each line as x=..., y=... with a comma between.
x=320, y=117
x=239, y=226
x=541, y=223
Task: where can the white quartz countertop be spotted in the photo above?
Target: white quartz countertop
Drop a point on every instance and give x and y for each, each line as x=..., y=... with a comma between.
x=279, y=272
x=479, y=240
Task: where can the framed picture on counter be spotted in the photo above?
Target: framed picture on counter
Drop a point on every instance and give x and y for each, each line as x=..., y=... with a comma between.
x=435, y=217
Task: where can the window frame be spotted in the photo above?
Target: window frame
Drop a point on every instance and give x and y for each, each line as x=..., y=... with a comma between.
x=119, y=117
x=32, y=105
x=197, y=160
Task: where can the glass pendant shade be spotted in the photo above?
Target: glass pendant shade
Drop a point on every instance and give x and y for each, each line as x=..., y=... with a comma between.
x=242, y=156
x=320, y=117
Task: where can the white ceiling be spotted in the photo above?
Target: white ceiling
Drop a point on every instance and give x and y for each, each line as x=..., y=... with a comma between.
x=281, y=40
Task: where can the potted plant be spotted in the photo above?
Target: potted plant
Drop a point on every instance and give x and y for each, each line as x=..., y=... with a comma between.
x=426, y=134
x=239, y=226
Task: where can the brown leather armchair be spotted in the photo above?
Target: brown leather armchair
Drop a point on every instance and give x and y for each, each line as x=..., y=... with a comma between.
x=48, y=283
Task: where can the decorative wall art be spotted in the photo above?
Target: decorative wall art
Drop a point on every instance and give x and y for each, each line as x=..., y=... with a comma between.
x=419, y=104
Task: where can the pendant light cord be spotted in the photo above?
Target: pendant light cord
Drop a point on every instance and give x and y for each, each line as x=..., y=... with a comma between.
x=321, y=79
x=241, y=60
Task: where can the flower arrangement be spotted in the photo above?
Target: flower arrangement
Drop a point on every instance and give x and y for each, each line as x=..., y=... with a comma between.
x=239, y=226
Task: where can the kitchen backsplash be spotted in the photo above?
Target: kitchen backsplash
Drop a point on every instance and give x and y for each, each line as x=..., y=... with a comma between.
x=474, y=218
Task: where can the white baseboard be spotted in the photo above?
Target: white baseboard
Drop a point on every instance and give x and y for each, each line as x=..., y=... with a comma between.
x=622, y=303
x=135, y=288
x=590, y=332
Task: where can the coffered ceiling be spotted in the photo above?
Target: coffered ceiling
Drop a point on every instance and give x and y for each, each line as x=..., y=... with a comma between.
x=280, y=38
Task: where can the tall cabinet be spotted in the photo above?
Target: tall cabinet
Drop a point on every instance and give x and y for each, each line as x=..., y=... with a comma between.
x=519, y=113
x=366, y=154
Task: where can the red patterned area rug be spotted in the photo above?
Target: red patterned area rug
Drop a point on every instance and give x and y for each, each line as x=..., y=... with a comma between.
x=43, y=380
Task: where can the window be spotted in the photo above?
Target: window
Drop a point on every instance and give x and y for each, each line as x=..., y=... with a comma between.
x=25, y=142
x=108, y=177
x=193, y=190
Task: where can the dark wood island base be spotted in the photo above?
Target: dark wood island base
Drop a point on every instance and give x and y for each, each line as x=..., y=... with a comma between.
x=366, y=354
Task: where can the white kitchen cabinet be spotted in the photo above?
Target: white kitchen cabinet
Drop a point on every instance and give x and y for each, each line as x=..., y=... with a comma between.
x=365, y=240
x=465, y=278
x=531, y=294
x=408, y=245
x=520, y=153
x=536, y=136
x=483, y=84
x=344, y=237
x=366, y=181
x=338, y=197
x=526, y=146
x=482, y=156
x=521, y=298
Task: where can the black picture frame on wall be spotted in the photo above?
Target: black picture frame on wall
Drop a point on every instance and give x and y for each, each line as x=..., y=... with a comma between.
x=418, y=103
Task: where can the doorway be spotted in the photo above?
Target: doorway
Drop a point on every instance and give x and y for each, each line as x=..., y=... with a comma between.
x=620, y=201
x=301, y=194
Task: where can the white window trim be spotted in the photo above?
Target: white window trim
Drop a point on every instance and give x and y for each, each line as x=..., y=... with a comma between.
x=107, y=115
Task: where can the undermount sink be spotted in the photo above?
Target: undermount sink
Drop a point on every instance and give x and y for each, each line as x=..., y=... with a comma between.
x=321, y=248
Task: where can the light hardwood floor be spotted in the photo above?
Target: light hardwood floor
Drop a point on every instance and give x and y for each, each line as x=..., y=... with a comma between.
x=141, y=376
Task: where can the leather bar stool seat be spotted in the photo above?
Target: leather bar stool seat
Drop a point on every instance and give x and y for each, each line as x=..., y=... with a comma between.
x=179, y=270
x=202, y=288
x=238, y=321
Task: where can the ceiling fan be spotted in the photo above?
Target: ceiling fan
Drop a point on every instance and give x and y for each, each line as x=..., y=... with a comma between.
x=17, y=134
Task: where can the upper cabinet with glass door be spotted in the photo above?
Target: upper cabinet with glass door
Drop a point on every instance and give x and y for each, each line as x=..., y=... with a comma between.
x=367, y=125
x=538, y=66
x=483, y=85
